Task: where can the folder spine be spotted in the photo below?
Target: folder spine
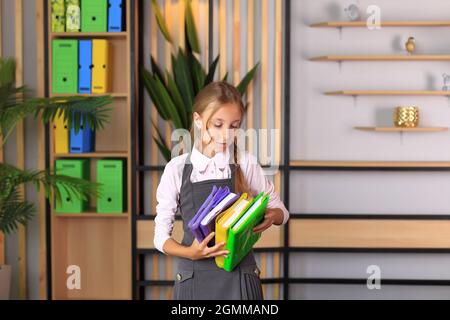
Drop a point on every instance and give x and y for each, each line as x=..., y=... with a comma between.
x=73, y=16
x=85, y=66
x=115, y=16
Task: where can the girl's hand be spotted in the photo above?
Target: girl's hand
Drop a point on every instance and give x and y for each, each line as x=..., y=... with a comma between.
x=202, y=251
x=272, y=216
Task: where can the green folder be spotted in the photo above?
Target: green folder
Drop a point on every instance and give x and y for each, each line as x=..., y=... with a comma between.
x=94, y=16
x=110, y=173
x=77, y=168
x=64, y=66
x=241, y=237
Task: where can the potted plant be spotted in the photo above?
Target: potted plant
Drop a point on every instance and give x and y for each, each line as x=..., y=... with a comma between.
x=173, y=92
x=14, y=107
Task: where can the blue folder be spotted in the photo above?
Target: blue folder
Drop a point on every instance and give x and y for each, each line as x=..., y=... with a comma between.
x=83, y=141
x=85, y=66
x=115, y=16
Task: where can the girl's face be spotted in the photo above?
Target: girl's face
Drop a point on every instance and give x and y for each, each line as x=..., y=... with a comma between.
x=219, y=133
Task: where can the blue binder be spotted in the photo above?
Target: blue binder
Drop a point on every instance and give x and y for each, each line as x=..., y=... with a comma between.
x=115, y=16
x=82, y=142
x=85, y=69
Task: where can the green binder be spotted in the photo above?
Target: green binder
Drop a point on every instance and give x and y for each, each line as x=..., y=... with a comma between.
x=77, y=169
x=58, y=16
x=94, y=15
x=110, y=173
x=241, y=237
x=64, y=66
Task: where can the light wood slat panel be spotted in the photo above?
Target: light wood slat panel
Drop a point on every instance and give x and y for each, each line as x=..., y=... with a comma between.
x=145, y=233
x=222, y=38
x=40, y=91
x=236, y=74
x=20, y=145
x=250, y=62
x=264, y=80
x=370, y=233
x=374, y=164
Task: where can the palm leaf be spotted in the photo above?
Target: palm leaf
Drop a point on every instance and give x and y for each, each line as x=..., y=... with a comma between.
x=191, y=30
x=212, y=71
x=161, y=21
x=183, y=78
x=242, y=86
x=150, y=85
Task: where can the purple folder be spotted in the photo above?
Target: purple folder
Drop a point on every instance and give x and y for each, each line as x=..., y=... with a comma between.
x=210, y=227
x=194, y=224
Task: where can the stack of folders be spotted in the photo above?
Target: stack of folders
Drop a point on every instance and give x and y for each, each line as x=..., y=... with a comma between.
x=232, y=217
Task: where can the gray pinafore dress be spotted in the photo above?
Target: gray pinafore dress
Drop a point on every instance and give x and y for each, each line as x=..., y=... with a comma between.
x=202, y=279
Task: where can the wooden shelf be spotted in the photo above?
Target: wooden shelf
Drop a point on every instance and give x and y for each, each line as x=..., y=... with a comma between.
x=356, y=24
x=99, y=243
x=103, y=154
x=371, y=164
x=83, y=215
x=445, y=57
x=388, y=93
x=114, y=95
x=395, y=129
x=88, y=34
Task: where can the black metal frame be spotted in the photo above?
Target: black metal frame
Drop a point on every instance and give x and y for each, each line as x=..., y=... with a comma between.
x=286, y=169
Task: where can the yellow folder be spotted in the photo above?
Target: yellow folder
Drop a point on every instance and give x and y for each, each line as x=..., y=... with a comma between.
x=61, y=135
x=223, y=222
x=100, y=69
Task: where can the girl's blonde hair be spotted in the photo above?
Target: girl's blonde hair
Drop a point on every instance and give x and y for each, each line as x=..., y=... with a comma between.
x=214, y=96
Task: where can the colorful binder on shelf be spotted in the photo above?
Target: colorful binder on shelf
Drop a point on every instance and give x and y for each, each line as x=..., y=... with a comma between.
x=85, y=66
x=64, y=66
x=58, y=15
x=73, y=16
x=61, y=135
x=215, y=197
x=110, y=174
x=73, y=168
x=94, y=15
x=83, y=140
x=100, y=69
x=225, y=219
x=241, y=237
x=115, y=16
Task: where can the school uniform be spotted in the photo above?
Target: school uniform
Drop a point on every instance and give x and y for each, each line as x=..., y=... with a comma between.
x=192, y=176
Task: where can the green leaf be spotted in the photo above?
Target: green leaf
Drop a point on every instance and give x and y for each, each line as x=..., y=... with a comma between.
x=165, y=151
x=225, y=78
x=183, y=79
x=167, y=103
x=242, y=86
x=161, y=21
x=150, y=85
x=191, y=29
x=177, y=99
x=211, y=71
x=156, y=69
x=198, y=74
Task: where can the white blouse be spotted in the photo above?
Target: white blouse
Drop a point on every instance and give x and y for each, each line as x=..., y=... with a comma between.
x=205, y=168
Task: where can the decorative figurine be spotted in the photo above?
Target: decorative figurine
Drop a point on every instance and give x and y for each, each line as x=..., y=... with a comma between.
x=352, y=12
x=410, y=45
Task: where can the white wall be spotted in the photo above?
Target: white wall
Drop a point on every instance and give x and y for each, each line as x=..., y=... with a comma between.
x=322, y=129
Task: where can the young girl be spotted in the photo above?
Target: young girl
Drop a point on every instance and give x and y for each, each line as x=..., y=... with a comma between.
x=187, y=181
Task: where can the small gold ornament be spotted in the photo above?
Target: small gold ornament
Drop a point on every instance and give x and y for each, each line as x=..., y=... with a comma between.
x=406, y=117
x=410, y=45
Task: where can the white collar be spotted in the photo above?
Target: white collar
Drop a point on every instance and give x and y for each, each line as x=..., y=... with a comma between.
x=201, y=161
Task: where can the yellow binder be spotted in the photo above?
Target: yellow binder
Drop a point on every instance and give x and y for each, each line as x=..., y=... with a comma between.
x=223, y=222
x=100, y=69
x=61, y=136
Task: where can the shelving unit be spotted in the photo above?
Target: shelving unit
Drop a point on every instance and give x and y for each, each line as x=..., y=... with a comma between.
x=388, y=57
x=99, y=243
x=395, y=129
x=388, y=93
x=359, y=24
